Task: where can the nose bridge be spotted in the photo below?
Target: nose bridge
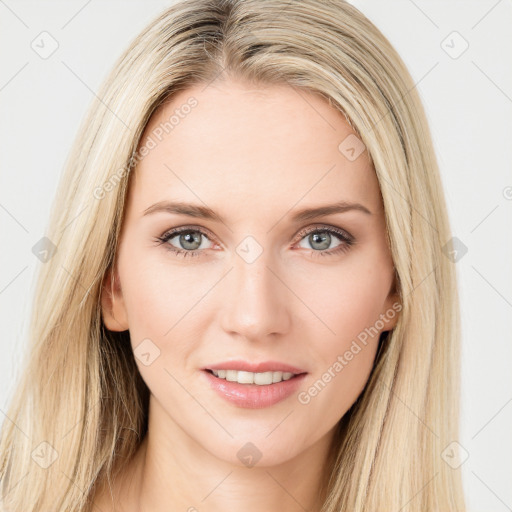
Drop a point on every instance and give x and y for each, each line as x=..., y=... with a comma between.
x=257, y=303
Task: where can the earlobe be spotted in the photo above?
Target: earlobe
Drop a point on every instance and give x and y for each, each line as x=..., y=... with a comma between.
x=112, y=303
x=393, y=305
x=392, y=312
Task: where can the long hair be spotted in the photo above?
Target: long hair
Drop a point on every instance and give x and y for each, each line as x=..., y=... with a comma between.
x=79, y=410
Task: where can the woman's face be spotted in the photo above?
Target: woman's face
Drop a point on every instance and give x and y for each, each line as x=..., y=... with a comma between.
x=257, y=278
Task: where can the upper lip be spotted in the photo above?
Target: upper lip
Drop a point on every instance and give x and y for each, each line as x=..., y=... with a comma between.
x=264, y=366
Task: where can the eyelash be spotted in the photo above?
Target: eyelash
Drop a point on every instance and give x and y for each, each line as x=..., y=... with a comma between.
x=347, y=240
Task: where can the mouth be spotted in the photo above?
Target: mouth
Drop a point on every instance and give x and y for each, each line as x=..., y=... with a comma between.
x=257, y=378
x=254, y=390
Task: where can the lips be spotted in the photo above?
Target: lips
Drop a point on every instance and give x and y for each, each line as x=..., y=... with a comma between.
x=246, y=366
x=253, y=396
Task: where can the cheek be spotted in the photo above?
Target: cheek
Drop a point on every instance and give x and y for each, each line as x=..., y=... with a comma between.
x=343, y=335
x=164, y=302
x=345, y=301
x=167, y=324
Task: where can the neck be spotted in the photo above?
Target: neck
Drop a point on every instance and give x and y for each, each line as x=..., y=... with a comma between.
x=172, y=472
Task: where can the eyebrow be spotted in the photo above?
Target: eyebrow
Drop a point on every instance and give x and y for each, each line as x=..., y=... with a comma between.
x=204, y=212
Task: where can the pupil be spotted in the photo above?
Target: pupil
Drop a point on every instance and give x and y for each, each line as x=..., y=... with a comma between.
x=324, y=240
x=190, y=238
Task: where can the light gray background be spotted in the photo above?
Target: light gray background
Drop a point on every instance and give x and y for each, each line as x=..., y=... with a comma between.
x=468, y=101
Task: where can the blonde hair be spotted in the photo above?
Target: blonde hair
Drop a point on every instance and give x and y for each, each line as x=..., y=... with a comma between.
x=80, y=391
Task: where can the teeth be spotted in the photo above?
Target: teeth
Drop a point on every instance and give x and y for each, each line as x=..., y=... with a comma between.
x=277, y=376
x=261, y=379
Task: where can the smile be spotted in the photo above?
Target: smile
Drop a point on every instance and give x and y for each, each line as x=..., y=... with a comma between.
x=261, y=379
x=253, y=390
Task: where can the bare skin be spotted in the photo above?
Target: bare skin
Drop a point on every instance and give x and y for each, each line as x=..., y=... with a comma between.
x=255, y=156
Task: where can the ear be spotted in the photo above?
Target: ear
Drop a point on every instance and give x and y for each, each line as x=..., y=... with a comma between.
x=392, y=308
x=112, y=304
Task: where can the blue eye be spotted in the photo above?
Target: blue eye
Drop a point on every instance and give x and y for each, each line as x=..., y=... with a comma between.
x=188, y=238
x=320, y=239
x=190, y=241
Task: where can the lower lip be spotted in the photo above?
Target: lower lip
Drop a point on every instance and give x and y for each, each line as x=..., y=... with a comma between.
x=254, y=396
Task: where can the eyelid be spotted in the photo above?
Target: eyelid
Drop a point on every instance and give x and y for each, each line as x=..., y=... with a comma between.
x=300, y=234
x=319, y=227
x=344, y=236
x=170, y=233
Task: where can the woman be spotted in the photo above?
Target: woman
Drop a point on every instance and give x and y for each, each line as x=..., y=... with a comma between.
x=255, y=310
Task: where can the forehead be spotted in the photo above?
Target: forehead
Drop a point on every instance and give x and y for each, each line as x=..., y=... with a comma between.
x=256, y=147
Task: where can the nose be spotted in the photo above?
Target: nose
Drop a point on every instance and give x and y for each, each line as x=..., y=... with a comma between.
x=256, y=305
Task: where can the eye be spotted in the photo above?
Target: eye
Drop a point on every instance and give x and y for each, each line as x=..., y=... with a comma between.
x=320, y=238
x=188, y=241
